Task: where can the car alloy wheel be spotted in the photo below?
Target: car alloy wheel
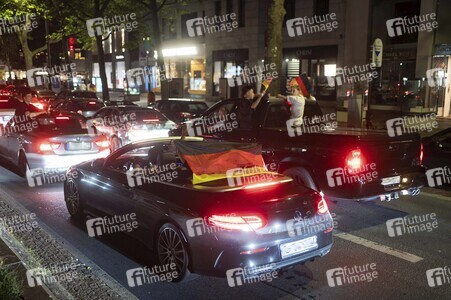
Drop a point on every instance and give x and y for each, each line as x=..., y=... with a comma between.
x=72, y=198
x=172, y=249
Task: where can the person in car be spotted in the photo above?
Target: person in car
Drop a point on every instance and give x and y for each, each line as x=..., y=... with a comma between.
x=247, y=105
x=25, y=112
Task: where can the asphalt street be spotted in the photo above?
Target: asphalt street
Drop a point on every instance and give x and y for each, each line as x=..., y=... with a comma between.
x=361, y=239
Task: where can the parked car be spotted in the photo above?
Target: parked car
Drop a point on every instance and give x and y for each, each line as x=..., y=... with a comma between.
x=181, y=110
x=125, y=124
x=311, y=154
x=244, y=225
x=83, y=106
x=50, y=141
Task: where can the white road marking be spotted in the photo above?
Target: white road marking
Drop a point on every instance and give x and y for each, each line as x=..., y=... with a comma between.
x=378, y=247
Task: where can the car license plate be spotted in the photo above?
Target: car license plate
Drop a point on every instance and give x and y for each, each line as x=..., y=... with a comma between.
x=391, y=180
x=297, y=247
x=78, y=146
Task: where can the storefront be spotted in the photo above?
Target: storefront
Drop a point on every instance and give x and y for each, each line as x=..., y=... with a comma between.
x=316, y=62
x=440, y=81
x=226, y=64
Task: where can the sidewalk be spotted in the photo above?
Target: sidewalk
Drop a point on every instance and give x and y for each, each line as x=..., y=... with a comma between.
x=62, y=272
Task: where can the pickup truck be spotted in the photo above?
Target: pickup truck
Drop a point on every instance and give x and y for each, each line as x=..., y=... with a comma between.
x=343, y=163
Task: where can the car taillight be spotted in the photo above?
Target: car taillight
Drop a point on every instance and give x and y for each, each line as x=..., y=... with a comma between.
x=247, y=222
x=62, y=118
x=421, y=154
x=322, y=206
x=150, y=120
x=44, y=147
x=103, y=143
x=79, y=112
x=354, y=161
x=92, y=102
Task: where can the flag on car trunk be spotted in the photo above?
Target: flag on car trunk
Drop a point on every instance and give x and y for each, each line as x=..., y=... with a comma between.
x=212, y=160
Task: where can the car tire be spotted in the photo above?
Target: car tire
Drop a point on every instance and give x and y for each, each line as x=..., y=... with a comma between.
x=23, y=165
x=170, y=239
x=115, y=143
x=302, y=176
x=73, y=200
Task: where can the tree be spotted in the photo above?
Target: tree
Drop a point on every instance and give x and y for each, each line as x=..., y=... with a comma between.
x=9, y=48
x=276, y=14
x=27, y=13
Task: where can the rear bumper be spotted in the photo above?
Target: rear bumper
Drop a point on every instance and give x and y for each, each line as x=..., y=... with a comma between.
x=411, y=183
x=61, y=162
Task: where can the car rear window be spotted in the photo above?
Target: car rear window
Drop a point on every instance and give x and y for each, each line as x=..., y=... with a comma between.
x=60, y=125
x=91, y=105
x=148, y=116
x=84, y=94
x=194, y=108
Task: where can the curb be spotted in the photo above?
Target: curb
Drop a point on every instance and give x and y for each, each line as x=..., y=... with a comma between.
x=92, y=283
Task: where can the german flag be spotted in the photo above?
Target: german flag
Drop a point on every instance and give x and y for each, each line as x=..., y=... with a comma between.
x=266, y=83
x=213, y=160
x=304, y=84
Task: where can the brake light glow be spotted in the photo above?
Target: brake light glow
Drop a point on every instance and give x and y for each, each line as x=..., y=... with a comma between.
x=237, y=222
x=322, y=206
x=151, y=120
x=62, y=118
x=421, y=154
x=354, y=160
x=103, y=143
x=49, y=146
x=92, y=102
x=263, y=184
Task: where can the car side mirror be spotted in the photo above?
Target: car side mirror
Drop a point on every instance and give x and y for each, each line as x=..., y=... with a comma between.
x=98, y=163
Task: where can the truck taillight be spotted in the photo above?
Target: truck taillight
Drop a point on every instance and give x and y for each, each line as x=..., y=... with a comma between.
x=354, y=161
x=247, y=222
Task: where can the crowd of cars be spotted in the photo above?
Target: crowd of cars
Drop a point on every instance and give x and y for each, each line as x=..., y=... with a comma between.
x=111, y=147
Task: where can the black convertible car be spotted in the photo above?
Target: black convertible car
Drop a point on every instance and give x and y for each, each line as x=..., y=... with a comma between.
x=206, y=206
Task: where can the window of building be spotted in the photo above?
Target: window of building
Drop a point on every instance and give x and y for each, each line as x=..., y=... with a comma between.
x=218, y=8
x=321, y=7
x=241, y=13
x=185, y=18
x=168, y=29
x=290, y=7
x=229, y=6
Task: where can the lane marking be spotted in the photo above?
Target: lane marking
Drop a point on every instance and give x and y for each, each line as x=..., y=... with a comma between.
x=378, y=247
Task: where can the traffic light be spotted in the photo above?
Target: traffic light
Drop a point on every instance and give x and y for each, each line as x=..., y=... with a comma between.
x=71, y=41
